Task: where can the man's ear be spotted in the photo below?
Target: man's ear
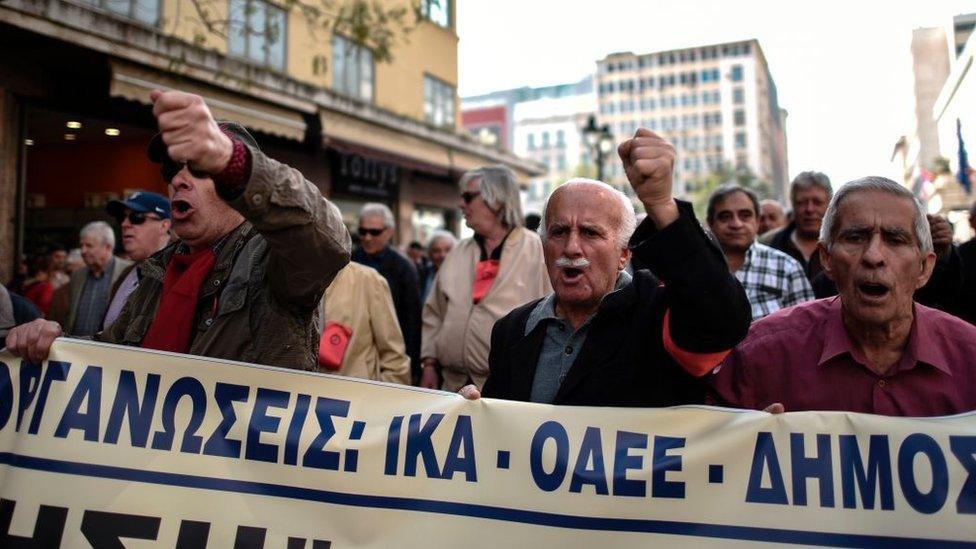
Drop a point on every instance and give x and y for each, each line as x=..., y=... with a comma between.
x=825, y=260
x=928, y=265
x=625, y=256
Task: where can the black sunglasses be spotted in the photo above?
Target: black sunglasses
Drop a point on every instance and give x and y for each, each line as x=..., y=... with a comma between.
x=363, y=231
x=169, y=170
x=468, y=196
x=136, y=218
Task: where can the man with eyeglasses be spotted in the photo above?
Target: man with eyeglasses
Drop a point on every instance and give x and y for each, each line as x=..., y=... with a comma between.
x=145, y=220
x=258, y=244
x=376, y=227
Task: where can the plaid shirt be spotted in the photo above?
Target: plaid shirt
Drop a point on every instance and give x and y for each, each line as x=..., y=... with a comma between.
x=772, y=280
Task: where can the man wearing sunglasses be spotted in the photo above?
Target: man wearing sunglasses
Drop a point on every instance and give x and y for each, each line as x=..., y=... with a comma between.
x=258, y=244
x=145, y=220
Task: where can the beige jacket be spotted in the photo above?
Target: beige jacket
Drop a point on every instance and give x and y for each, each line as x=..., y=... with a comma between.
x=359, y=298
x=457, y=332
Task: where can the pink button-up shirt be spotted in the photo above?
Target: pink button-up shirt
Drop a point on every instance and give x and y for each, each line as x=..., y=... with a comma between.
x=802, y=357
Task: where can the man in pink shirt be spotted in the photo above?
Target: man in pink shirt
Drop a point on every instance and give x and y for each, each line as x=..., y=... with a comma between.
x=871, y=349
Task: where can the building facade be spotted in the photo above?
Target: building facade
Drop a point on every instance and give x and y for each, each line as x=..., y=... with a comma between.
x=75, y=78
x=717, y=104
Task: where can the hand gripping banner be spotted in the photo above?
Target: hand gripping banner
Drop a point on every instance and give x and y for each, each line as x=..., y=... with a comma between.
x=105, y=446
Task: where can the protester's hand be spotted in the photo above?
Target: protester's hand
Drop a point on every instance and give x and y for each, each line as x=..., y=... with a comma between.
x=470, y=392
x=190, y=132
x=649, y=164
x=775, y=408
x=941, y=234
x=429, y=378
x=32, y=341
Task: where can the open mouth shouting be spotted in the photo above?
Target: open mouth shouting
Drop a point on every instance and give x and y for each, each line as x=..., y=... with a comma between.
x=873, y=291
x=572, y=269
x=181, y=209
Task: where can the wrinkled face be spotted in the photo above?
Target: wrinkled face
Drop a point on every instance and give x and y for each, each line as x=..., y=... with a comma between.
x=734, y=223
x=95, y=252
x=771, y=216
x=875, y=259
x=581, y=248
x=58, y=258
x=438, y=251
x=144, y=239
x=477, y=213
x=809, y=207
x=373, y=243
x=200, y=217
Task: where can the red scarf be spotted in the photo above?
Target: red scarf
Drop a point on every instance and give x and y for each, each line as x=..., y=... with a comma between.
x=172, y=329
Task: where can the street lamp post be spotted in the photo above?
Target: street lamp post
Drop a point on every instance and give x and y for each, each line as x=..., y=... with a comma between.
x=600, y=141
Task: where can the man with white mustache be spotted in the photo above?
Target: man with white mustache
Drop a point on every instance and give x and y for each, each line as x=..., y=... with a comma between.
x=604, y=338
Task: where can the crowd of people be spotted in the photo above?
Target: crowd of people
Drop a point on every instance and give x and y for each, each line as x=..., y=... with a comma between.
x=851, y=300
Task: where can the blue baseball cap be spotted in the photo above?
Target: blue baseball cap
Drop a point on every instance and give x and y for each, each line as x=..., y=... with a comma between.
x=142, y=202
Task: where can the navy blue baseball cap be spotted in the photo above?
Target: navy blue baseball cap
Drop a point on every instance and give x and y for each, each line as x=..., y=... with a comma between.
x=142, y=202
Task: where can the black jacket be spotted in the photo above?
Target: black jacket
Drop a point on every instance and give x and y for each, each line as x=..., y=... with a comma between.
x=623, y=361
x=782, y=240
x=401, y=275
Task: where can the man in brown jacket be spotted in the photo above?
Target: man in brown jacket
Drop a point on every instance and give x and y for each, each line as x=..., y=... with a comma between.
x=258, y=246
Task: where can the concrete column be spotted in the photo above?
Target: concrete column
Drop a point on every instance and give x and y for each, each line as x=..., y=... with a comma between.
x=10, y=199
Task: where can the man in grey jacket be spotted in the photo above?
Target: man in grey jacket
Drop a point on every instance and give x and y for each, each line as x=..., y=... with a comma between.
x=258, y=246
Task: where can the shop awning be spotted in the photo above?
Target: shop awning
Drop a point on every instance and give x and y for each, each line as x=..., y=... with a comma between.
x=351, y=134
x=135, y=83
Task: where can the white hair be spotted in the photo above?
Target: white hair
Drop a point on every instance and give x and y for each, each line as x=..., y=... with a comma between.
x=101, y=230
x=376, y=209
x=628, y=221
x=499, y=189
x=923, y=235
x=441, y=235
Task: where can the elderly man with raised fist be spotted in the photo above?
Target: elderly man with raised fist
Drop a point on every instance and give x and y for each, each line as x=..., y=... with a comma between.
x=604, y=338
x=258, y=244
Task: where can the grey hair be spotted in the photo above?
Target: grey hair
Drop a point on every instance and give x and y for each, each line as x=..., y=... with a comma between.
x=726, y=190
x=499, y=189
x=101, y=230
x=376, y=209
x=923, y=235
x=628, y=221
x=441, y=235
x=806, y=180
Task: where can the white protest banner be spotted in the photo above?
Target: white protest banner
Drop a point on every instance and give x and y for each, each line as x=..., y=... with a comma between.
x=104, y=443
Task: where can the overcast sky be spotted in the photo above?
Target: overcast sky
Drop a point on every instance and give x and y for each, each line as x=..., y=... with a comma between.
x=842, y=68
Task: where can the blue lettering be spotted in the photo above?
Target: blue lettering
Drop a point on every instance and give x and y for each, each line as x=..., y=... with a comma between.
x=393, y=446
x=30, y=378
x=876, y=477
x=964, y=448
x=623, y=462
x=183, y=387
x=913, y=445
x=316, y=455
x=818, y=468
x=591, y=450
x=661, y=487
x=127, y=403
x=295, y=429
x=6, y=395
x=461, y=440
x=56, y=371
x=261, y=422
x=764, y=458
x=549, y=481
x=420, y=445
x=89, y=390
x=218, y=444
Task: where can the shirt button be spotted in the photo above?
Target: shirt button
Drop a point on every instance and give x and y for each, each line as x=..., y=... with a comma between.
x=257, y=199
x=569, y=350
x=208, y=322
x=562, y=327
x=882, y=383
x=216, y=282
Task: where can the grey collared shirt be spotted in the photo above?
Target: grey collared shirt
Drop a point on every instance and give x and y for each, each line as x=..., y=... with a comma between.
x=93, y=301
x=561, y=344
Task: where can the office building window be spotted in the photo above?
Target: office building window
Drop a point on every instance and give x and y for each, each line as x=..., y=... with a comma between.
x=144, y=11
x=740, y=117
x=257, y=32
x=740, y=140
x=531, y=143
x=561, y=139
x=736, y=74
x=545, y=140
x=352, y=68
x=437, y=11
x=561, y=162
x=439, y=98
x=738, y=96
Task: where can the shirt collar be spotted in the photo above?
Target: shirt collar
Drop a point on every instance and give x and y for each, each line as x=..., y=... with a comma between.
x=546, y=309
x=920, y=347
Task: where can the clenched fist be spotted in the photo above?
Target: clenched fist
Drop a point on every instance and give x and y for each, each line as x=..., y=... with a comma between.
x=649, y=164
x=941, y=234
x=190, y=132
